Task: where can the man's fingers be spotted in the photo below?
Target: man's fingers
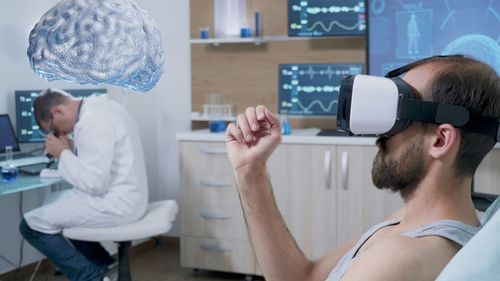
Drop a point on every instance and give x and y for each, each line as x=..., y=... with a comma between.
x=244, y=126
x=264, y=125
x=252, y=118
x=235, y=133
x=259, y=111
x=273, y=120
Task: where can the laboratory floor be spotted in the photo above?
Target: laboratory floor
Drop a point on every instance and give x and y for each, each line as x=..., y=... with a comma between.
x=160, y=263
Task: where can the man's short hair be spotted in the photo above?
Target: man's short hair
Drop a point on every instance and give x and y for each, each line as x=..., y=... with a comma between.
x=47, y=99
x=470, y=83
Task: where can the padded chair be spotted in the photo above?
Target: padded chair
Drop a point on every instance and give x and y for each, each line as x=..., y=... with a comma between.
x=479, y=259
x=157, y=220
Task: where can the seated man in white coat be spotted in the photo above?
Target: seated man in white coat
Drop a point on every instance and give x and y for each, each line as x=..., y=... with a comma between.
x=105, y=164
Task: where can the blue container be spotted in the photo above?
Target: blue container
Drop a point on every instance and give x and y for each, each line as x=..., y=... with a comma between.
x=245, y=32
x=217, y=126
x=204, y=33
x=286, y=129
x=9, y=173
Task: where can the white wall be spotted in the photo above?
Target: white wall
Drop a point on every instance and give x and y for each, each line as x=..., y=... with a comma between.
x=161, y=113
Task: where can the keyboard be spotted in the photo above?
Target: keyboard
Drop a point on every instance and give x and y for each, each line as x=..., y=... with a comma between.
x=33, y=169
x=32, y=160
x=19, y=155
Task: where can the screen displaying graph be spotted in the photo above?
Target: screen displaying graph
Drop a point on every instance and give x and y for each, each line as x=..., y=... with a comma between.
x=312, y=89
x=404, y=31
x=27, y=128
x=326, y=17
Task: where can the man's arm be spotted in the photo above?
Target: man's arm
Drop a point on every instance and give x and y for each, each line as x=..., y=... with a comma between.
x=91, y=169
x=277, y=253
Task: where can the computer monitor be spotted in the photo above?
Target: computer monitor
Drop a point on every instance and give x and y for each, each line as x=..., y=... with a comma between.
x=312, y=90
x=27, y=128
x=326, y=17
x=404, y=31
x=7, y=135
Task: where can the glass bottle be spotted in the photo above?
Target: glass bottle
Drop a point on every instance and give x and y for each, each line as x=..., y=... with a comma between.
x=286, y=127
x=9, y=171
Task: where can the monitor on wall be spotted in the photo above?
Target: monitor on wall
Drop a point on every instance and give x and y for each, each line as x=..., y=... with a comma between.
x=312, y=90
x=403, y=31
x=326, y=17
x=26, y=127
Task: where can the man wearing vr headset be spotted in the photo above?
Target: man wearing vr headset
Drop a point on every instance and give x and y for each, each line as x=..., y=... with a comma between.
x=437, y=124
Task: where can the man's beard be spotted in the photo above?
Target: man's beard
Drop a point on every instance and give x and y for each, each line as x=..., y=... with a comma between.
x=402, y=174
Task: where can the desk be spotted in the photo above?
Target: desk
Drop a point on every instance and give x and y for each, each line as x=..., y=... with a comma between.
x=25, y=182
x=12, y=209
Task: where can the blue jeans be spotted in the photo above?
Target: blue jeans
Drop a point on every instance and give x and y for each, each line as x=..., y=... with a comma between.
x=78, y=260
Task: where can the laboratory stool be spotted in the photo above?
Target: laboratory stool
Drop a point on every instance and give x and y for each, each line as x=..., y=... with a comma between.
x=157, y=220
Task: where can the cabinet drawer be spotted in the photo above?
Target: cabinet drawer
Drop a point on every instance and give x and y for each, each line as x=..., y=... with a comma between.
x=209, y=190
x=213, y=222
x=222, y=255
x=204, y=158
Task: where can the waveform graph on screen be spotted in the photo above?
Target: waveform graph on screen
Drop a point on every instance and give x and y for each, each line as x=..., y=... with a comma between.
x=326, y=17
x=312, y=89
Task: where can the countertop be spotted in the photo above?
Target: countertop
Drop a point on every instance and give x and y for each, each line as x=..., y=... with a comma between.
x=298, y=136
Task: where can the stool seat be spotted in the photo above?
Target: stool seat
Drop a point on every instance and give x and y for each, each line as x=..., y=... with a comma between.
x=157, y=220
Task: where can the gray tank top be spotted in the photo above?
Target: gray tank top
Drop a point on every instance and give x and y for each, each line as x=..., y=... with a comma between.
x=450, y=229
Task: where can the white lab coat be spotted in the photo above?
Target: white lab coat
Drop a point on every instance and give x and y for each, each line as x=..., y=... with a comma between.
x=108, y=173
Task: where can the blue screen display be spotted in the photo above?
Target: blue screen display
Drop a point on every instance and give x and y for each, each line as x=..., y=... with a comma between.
x=312, y=89
x=404, y=31
x=326, y=17
x=27, y=128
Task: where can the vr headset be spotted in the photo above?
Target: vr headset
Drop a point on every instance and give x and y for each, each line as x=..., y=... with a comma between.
x=384, y=106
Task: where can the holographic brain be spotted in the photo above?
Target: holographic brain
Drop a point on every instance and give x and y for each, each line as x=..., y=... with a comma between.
x=478, y=46
x=97, y=41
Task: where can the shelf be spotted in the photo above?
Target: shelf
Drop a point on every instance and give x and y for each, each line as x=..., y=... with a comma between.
x=197, y=116
x=261, y=40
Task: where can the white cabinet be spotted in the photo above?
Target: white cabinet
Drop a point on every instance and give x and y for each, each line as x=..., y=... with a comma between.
x=323, y=191
x=305, y=194
x=326, y=195
x=213, y=231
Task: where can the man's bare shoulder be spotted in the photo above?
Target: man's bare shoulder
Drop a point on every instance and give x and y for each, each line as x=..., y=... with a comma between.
x=403, y=258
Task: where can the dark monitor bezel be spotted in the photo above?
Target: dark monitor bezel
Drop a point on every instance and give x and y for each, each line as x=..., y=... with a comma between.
x=16, y=148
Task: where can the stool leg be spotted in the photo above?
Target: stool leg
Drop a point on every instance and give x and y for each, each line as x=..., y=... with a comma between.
x=123, y=261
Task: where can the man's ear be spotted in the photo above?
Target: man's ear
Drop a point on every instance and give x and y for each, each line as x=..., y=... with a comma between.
x=444, y=139
x=57, y=109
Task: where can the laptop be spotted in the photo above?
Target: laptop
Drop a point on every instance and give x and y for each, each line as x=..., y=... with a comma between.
x=8, y=138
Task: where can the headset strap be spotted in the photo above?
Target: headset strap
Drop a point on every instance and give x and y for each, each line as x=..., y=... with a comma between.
x=455, y=115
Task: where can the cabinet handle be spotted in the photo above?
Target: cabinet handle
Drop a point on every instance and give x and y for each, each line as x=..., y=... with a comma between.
x=327, y=171
x=345, y=169
x=211, y=247
x=215, y=183
x=209, y=216
x=213, y=150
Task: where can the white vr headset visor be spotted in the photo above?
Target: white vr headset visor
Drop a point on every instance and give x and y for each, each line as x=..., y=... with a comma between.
x=379, y=106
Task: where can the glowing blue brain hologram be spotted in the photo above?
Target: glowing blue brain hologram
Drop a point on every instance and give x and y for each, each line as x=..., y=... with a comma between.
x=478, y=46
x=98, y=41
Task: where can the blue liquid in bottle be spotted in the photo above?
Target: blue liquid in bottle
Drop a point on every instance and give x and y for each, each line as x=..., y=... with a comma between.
x=217, y=126
x=286, y=127
x=9, y=171
x=9, y=174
